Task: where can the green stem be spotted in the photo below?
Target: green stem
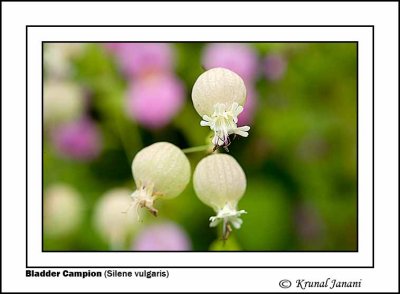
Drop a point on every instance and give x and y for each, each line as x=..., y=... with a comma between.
x=196, y=149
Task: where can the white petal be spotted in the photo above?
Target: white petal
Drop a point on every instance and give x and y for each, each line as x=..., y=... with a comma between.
x=241, y=133
x=207, y=118
x=235, y=105
x=244, y=128
x=220, y=142
x=238, y=110
x=214, y=221
x=236, y=222
x=215, y=140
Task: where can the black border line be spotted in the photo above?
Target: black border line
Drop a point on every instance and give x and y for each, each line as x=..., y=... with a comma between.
x=175, y=42
x=201, y=26
x=26, y=145
x=225, y=251
x=357, y=182
x=197, y=1
x=231, y=251
x=373, y=147
x=158, y=26
x=41, y=141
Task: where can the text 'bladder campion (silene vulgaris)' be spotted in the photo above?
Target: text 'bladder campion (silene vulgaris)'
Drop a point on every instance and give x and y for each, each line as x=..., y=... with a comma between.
x=162, y=170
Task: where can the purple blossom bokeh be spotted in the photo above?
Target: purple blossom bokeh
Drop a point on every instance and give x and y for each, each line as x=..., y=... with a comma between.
x=80, y=140
x=274, y=66
x=246, y=117
x=243, y=60
x=239, y=58
x=142, y=58
x=153, y=100
x=166, y=236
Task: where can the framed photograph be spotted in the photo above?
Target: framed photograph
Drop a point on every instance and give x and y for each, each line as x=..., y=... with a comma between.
x=168, y=153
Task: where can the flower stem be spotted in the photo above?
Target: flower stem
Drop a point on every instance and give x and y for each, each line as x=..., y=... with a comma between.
x=196, y=149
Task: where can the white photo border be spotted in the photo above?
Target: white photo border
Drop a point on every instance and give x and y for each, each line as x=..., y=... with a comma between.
x=362, y=258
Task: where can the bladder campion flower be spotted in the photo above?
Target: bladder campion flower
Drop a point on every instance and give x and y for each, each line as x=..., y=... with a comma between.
x=160, y=171
x=63, y=210
x=220, y=183
x=58, y=58
x=62, y=101
x=218, y=96
x=112, y=218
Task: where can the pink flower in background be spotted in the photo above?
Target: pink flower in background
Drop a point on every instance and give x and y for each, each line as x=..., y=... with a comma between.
x=153, y=100
x=246, y=117
x=79, y=140
x=274, y=67
x=167, y=236
x=141, y=58
x=239, y=58
x=113, y=47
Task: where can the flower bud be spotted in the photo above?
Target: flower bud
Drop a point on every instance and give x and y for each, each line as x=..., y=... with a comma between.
x=220, y=183
x=113, y=218
x=160, y=171
x=63, y=210
x=218, y=96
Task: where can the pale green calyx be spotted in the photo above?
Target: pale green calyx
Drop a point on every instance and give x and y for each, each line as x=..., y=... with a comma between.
x=160, y=171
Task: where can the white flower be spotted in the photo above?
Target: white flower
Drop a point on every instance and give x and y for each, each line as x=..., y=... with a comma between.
x=58, y=57
x=63, y=210
x=160, y=171
x=113, y=219
x=220, y=183
x=62, y=101
x=218, y=96
x=223, y=123
x=227, y=214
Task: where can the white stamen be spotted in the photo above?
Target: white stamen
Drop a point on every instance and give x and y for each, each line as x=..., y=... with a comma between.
x=224, y=123
x=144, y=197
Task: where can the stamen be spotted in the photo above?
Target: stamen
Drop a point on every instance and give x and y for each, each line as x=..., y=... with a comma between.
x=144, y=197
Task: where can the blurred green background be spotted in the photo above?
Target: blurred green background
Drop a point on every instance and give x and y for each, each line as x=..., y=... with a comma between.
x=299, y=158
